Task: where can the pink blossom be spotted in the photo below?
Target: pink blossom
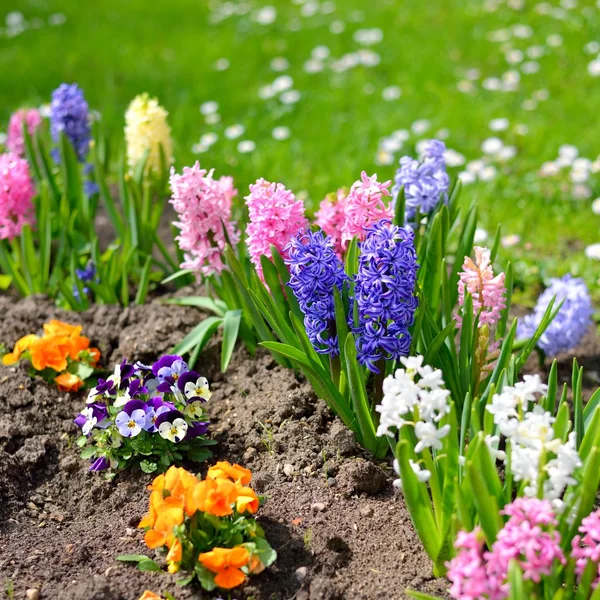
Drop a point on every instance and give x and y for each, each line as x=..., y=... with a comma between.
x=487, y=291
x=16, y=194
x=15, y=139
x=365, y=207
x=467, y=570
x=275, y=216
x=331, y=216
x=203, y=205
x=586, y=547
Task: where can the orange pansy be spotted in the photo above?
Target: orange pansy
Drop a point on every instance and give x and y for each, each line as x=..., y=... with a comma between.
x=148, y=595
x=225, y=470
x=55, y=327
x=46, y=353
x=94, y=356
x=67, y=382
x=174, y=556
x=226, y=563
x=162, y=532
x=213, y=496
x=21, y=346
x=247, y=500
x=256, y=565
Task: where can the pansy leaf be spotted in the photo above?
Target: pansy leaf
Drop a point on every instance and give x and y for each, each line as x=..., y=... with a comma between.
x=205, y=577
x=148, y=565
x=148, y=467
x=132, y=558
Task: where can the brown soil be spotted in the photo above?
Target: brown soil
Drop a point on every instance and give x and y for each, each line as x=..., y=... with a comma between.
x=338, y=525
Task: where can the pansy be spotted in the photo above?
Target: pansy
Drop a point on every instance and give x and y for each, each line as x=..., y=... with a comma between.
x=154, y=409
x=194, y=386
x=196, y=429
x=130, y=425
x=168, y=370
x=94, y=415
x=172, y=426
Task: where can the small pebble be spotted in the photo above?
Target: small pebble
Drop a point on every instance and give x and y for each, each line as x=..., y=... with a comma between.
x=111, y=571
x=301, y=573
x=32, y=594
x=318, y=506
x=366, y=511
x=288, y=469
x=250, y=454
x=331, y=481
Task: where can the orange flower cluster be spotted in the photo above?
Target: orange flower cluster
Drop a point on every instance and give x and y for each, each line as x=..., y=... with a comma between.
x=177, y=494
x=59, y=343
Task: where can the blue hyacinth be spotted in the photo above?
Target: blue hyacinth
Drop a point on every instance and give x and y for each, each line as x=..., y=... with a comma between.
x=315, y=270
x=69, y=114
x=385, y=293
x=425, y=183
x=571, y=323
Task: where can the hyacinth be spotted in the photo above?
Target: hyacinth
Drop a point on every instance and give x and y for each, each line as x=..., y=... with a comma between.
x=146, y=128
x=571, y=323
x=331, y=216
x=275, y=216
x=385, y=293
x=15, y=141
x=488, y=292
x=16, y=194
x=425, y=183
x=315, y=270
x=586, y=547
x=203, y=205
x=69, y=115
x=528, y=538
x=364, y=207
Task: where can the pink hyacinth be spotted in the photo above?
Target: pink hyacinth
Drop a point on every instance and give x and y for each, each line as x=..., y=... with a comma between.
x=467, y=570
x=365, y=207
x=203, y=205
x=15, y=139
x=16, y=194
x=586, y=547
x=331, y=216
x=487, y=291
x=275, y=216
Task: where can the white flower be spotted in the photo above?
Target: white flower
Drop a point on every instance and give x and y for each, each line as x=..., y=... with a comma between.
x=430, y=378
x=197, y=389
x=434, y=404
x=412, y=363
x=499, y=124
x=593, y=251
x=422, y=474
x=492, y=442
x=175, y=431
x=492, y=145
x=194, y=410
x=429, y=436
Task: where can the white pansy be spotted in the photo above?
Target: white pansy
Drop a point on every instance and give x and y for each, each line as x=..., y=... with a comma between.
x=175, y=431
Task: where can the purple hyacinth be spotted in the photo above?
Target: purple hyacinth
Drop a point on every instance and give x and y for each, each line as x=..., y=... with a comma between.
x=315, y=269
x=385, y=293
x=425, y=182
x=69, y=114
x=572, y=321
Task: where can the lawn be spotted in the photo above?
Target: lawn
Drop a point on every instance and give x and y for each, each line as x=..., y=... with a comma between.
x=319, y=88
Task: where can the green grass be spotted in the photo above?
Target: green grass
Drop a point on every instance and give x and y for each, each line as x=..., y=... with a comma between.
x=117, y=48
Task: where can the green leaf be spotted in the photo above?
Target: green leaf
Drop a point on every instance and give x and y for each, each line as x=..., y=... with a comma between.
x=216, y=306
x=88, y=452
x=148, y=565
x=486, y=504
x=148, y=467
x=420, y=595
x=142, y=292
x=231, y=327
x=132, y=557
x=515, y=581
x=199, y=336
x=264, y=551
x=5, y=281
x=177, y=275
x=205, y=577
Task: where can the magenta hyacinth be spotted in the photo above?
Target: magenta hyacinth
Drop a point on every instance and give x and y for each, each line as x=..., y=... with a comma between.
x=15, y=141
x=203, y=205
x=586, y=547
x=16, y=194
x=487, y=291
x=331, y=216
x=365, y=206
x=275, y=216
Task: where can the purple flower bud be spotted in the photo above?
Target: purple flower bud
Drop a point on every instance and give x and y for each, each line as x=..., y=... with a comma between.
x=196, y=429
x=100, y=464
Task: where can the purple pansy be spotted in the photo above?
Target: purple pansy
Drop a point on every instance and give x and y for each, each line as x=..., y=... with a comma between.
x=196, y=429
x=130, y=425
x=93, y=415
x=172, y=426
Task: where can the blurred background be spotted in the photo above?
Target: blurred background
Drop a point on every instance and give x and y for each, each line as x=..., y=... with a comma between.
x=311, y=92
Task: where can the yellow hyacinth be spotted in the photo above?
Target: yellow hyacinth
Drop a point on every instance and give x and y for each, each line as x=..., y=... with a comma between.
x=146, y=128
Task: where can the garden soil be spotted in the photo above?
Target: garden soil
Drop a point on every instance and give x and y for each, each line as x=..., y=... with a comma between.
x=340, y=528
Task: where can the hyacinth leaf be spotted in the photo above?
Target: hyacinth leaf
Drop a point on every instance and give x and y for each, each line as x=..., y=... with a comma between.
x=142, y=292
x=198, y=336
x=549, y=401
x=562, y=424
x=464, y=249
x=400, y=208
x=420, y=512
x=453, y=198
x=591, y=438
x=358, y=393
x=504, y=360
x=140, y=167
x=431, y=268
x=466, y=344
x=305, y=343
x=578, y=403
x=515, y=582
x=108, y=200
x=274, y=284
x=177, y=275
x=31, y=155
x=71, y=179
x=273, y=317
x=47, y=169
x=438, y=342
x=284, y=277
x=464, y=423
x=216, y=306
x=319, y=379
x=420, y=595
x=505, y=313
x=352, y=258
x=586, y=580
x=341, y=323
x=548, y=317
x=590, y=408
x=485, y=503
x=487, y=468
